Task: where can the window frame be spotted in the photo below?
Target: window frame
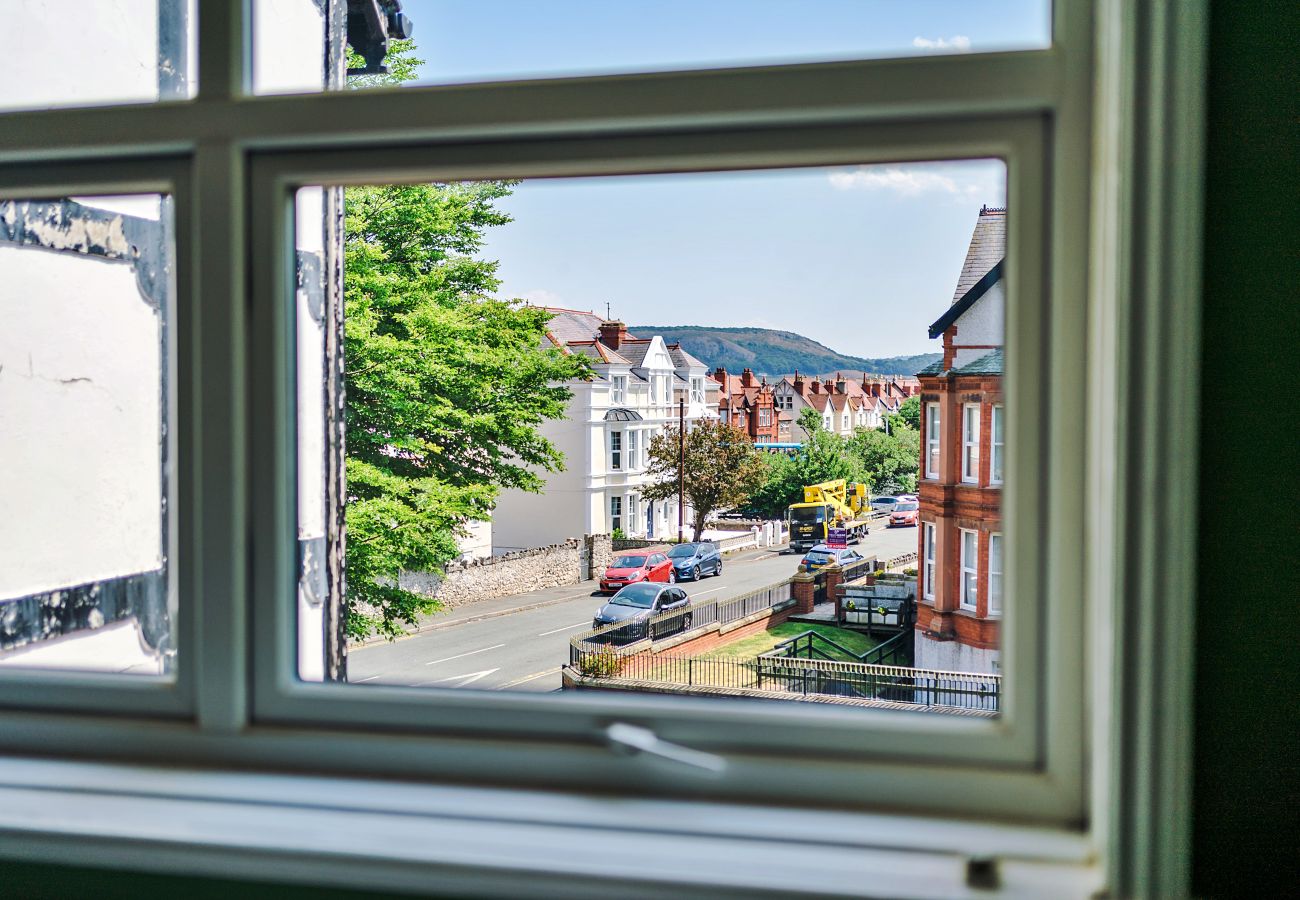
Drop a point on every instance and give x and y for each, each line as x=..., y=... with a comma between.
x=1137, y=211
x=933, y=445
x=997, y=443
x=616, y=450
x=995, y=609
x=618, y=389
x=929, y=543
x=615, y=512
x=970, y=444
x=968, y=569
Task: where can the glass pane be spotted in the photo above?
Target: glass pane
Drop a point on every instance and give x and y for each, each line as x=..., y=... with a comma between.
x=92, y=53
x=510, y=348
x=460, y=41
x=86, y=295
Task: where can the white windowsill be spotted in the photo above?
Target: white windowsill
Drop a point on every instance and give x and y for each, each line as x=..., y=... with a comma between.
x=479, y=841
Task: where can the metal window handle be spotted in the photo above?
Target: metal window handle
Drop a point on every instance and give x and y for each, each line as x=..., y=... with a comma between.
x=633, y=739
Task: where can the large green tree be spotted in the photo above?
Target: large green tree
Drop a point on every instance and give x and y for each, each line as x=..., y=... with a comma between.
x=825, y=456
x=446, y=385
x=722, y=468
x=888, y=461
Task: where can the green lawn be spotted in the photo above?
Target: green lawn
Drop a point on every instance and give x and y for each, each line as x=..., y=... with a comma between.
x=748, y=648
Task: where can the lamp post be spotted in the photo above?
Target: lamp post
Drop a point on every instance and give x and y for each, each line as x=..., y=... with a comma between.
x=681, y=465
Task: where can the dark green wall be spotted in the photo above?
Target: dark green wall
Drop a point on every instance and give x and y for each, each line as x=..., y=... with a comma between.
x=1246, y=730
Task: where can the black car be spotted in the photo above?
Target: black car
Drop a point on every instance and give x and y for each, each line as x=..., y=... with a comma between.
x=636, y=604
x=694, y=561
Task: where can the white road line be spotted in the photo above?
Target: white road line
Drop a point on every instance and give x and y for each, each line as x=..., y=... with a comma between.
x=526, y=678
x=702, y=593
x=469, y=678
x=364, y=680
x=459, y=655
x=565, y=628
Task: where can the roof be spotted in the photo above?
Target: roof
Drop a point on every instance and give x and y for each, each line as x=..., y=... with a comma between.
x=988, y=245
x=934, y=368
x=571, y=325
x=682, y=359
x=977, y=290
x=622, y=415
x=634, y=349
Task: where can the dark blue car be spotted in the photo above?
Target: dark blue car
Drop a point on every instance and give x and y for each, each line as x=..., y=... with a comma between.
x=691, y=562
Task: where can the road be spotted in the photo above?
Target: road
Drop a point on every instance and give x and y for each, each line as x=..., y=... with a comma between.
x=524, y=650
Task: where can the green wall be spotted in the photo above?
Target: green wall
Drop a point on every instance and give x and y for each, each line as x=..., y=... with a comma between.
x=1246, y=729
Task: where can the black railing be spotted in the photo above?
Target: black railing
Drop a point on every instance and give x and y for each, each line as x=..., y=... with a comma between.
x=899, y=650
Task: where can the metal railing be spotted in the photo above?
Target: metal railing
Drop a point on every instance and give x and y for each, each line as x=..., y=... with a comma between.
x=816, y=677
x=626, y=638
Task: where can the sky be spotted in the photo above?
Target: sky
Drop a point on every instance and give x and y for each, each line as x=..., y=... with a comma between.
x=860, y=259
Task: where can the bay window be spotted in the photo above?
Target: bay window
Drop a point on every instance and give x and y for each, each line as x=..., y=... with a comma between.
x=255, y=534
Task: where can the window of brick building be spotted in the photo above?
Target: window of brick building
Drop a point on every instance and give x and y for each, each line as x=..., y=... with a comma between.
x=969, y=568
x=970, y=443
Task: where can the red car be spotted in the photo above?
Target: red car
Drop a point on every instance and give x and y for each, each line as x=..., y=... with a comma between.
x=904, y=513
x=633, y=567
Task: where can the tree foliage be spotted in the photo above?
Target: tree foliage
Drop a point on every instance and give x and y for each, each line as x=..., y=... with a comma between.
x=722, y=468
x=909, y=414
x=445, y=384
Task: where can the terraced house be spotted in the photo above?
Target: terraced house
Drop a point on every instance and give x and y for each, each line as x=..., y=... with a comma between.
x=962, y=458
x=605, y=437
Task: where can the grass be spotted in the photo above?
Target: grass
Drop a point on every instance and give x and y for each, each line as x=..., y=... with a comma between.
x=748, y=648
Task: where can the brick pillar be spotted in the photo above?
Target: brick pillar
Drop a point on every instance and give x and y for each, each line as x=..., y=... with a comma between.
x=802, y=587
x=834, y=578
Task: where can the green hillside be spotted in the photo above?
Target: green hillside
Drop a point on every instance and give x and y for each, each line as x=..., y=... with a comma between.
x=775, y=353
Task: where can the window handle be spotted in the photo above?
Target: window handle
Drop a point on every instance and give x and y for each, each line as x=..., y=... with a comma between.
x=633, y=739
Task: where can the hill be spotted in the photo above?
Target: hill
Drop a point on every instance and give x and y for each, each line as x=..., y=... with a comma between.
x=775, y=353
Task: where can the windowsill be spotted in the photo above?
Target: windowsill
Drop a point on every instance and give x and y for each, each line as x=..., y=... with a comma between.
x=458, y=840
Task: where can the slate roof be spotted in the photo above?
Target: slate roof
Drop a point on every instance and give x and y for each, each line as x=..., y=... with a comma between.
x=934, y=368
x=634, y=350
x=987, y=247
x=682, y=359
x=988, y=364
x=573, y=325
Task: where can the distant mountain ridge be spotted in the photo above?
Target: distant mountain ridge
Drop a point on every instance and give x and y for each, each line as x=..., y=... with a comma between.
x=776, y=353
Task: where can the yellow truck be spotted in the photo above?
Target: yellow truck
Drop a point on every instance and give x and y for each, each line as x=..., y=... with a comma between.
x=831, y=504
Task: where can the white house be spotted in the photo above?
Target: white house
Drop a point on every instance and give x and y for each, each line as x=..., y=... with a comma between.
x=611, y=419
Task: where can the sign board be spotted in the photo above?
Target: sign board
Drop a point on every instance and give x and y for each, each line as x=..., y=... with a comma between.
x=837, y=538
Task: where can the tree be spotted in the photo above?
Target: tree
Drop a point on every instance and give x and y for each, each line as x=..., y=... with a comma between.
x=909, y=414
x=445, y=384
x=888, y=461
x=722, y=468
x=825, y=456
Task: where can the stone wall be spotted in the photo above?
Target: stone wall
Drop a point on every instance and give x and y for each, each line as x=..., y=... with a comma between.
x=469, y=581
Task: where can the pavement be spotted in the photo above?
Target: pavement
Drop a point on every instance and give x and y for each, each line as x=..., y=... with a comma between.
x=521, y=641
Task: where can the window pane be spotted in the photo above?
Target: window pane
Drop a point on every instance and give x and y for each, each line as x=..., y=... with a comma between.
x=92, y=53
x=86, y=295
x=517, y=38
x=487, y=325
x=298, y=46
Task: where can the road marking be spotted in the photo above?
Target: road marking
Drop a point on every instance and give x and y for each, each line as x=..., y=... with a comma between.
x=460, y=655
x=702, y=593
x=526, y=678
x=565, y=628
x=463, y=679
x=364, y=680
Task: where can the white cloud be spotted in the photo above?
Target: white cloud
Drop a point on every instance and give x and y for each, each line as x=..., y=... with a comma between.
x=955, y=180
x=958, y=43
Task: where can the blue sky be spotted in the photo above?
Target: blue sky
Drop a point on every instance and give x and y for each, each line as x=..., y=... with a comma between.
x=859, y=259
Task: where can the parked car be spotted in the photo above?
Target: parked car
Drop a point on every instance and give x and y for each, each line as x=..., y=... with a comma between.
x=912, y=497
x=637, y=604
x=693, y=561
x=633, y=567
x=821, y=556
x=905, y=512
x=883, y=503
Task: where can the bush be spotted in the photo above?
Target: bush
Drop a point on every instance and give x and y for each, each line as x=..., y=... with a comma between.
x=879, y=573
x=618, y=535
x=601, y=664
x=910, y=570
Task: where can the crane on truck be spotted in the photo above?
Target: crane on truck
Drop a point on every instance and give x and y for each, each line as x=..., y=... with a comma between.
x=831, y=504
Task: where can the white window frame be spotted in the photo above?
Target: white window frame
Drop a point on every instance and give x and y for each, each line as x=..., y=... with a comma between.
x=997, y=441
x=615, y=513
x=970, y=443
x=968, y=584
x=618, y=389
x=995, y=574
x=633, y=450
x=697, y=389
x=764, y=417
x=933, y=444
x=929, y=538
x=1131, y=260
x=616, y=451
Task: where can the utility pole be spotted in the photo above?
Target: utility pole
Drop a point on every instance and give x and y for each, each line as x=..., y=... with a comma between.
x=681, y=465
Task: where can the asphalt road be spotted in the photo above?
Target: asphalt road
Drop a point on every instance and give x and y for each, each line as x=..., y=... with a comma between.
x=524, y=650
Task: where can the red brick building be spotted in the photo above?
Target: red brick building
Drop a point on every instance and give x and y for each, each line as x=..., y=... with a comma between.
x=960, y=548
x=747, y=403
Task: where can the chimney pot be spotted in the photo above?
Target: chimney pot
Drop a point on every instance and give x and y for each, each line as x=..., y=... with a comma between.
x=613, y=333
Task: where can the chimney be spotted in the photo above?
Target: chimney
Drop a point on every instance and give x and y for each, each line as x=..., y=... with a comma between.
x=720, y=376
x=830, y=386
x=747, y=378
x=840, y=386
x=816, y=387
x=612, y=333
x=798, y=383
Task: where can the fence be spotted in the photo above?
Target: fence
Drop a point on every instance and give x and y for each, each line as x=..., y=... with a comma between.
x=625, y=638
x=816, y=677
